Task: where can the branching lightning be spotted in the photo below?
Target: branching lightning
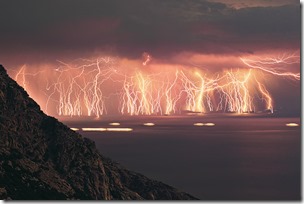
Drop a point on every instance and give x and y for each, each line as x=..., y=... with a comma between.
x=87, y=87
x=274, y=65
x=147, y=58
x=78, y=90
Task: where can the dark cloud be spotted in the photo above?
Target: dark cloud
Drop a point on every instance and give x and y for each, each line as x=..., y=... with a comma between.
x=130, y=27
x=210, y=35
x=256, y=3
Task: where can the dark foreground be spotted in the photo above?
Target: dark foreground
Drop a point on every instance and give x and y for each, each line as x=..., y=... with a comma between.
x=237, y=159
x=41, y=158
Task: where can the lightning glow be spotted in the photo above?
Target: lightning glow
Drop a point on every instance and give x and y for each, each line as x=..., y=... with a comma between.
x=147, y=58
x=21, y=74
x=275, y=65
x=88, y=87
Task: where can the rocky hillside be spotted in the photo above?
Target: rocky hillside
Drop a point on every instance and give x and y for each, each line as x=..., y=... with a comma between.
x=41, y=158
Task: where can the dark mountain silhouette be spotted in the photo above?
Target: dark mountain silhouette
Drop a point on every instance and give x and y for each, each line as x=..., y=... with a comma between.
x=41, y=158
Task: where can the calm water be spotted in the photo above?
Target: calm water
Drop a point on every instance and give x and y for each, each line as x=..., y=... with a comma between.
x=237, y=159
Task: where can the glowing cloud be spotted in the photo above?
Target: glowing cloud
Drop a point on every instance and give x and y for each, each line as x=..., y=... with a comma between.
x=88, y=87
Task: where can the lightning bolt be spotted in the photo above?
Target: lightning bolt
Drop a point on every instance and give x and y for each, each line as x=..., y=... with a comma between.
x=273, y=65
x=81, y=87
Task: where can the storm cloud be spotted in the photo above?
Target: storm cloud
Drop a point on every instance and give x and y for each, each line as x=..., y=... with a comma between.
x=128, y=28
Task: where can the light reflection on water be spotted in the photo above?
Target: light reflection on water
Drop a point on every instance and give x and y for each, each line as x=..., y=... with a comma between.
x=237, y=159
x=119, y=129
x=198, y=124
x=105, y=129
x=149, y=124
x=292, y=124
x=94, y=129
x=114, y=124
x=75, y=129
x=209, y=124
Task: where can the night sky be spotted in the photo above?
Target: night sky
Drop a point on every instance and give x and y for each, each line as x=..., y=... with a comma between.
x=210, y=34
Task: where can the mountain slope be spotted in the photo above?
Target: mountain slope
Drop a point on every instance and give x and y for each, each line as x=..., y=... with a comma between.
x=41, y=158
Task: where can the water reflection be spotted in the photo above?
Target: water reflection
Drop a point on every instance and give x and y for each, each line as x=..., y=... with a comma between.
x=198, y=124
x=107, y=129
x=75, y=129
x=292, y=124
x=149, y=124
x=209, y=124
x=94, y=129
x=114, y=124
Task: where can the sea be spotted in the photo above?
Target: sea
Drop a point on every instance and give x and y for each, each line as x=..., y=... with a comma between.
x=216, y=158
